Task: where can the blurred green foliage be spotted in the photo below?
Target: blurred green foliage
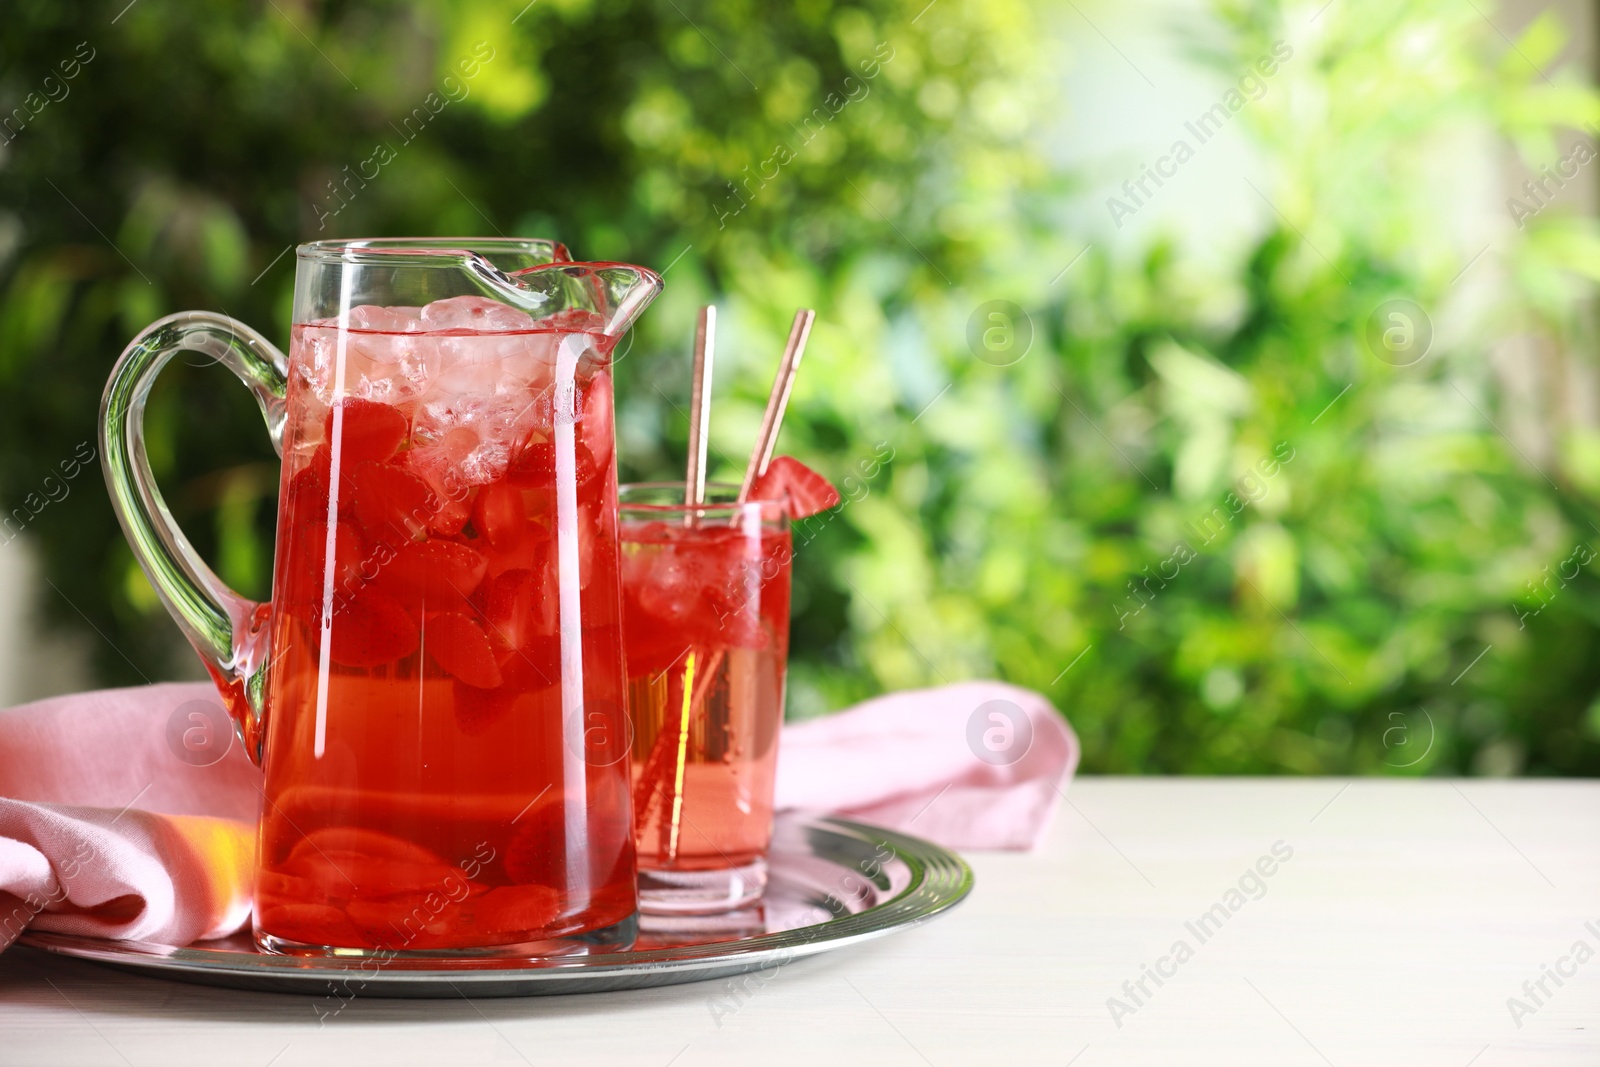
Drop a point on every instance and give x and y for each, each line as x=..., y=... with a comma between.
x=1366, y=607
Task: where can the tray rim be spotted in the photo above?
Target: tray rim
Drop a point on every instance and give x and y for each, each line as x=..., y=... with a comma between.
x=940, y=879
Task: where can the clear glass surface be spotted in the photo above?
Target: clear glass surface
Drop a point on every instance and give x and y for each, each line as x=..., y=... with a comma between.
x=436, y=689
x=706, y=629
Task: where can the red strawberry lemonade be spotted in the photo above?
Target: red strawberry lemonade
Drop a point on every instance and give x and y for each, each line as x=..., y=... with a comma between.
x=706, y=625
x=446, y=766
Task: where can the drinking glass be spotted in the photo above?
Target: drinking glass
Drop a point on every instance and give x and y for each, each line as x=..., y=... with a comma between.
x=706, y=631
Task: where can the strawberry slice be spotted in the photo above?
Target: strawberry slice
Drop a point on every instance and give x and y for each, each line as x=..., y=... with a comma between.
x=479, y=709
x=595, y=426
x=595, y=437
x=452, y=501
x=534, y=466
x=360, y=839
x=452, y=515
x=536, y=848
x=459, y=646
x=499, y=516
x=369, y=431
x=416, y=920
x=372, y=629
x=311, y=487
x=345, y=873
x=801, y=490
x=435, y=572
x=279, y=886
x=521, y=911
x=308, y=489
x=305, y=583
x=518, y=606
x=392, y=505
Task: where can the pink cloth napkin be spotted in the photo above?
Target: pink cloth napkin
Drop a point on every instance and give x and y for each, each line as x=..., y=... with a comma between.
x=975, y=765
x=105, y=831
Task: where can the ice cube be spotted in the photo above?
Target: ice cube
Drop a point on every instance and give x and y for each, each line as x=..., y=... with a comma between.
x=388, y=319
x=475, y=375
x=388, y=367
x=469, y=433
x=494, y=363
x=476, y=313
x=439, y=462
x=668, y=591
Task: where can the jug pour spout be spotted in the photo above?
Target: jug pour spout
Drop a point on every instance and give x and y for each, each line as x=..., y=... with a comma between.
x=617, y=293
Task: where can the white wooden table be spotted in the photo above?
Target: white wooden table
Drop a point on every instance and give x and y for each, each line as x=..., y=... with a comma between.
x=1407, y=915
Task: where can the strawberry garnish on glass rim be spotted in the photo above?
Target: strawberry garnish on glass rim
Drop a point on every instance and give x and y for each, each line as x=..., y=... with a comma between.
x=801, y=490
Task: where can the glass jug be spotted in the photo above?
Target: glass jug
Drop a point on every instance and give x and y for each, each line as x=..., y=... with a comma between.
x=435, y=692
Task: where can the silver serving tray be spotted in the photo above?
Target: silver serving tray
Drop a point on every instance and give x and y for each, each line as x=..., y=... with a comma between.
x=832, y=883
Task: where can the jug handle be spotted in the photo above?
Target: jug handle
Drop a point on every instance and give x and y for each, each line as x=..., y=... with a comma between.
x=230, y=632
